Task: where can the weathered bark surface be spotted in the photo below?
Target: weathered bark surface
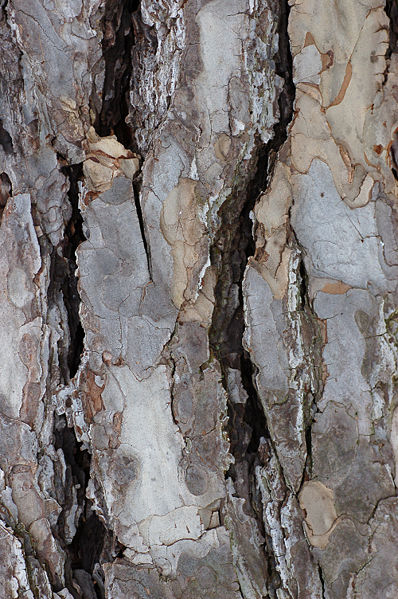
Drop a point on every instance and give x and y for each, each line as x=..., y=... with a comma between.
x=198, y=306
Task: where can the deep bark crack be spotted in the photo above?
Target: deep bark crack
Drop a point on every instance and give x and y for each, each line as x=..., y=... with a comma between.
x=92, y=543
x=230, y=252
x=5, y=192
x=391, y=10
x=5, y=140
x=117, y=46
x=83, y=553
x=144, y=236
x=322, y=581
x=65, y=269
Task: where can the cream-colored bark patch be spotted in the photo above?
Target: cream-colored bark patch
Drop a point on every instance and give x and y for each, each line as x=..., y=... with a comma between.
x=202, y=309
x=330, y=286
x=222, y=147
x=184, y=231
x=107, y=158
x=317, y=502
x=272, y=213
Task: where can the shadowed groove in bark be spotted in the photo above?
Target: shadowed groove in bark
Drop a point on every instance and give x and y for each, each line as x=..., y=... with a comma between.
x=305, y=306
x=5, y=140
x=83, y=553
x=117, y=46
x=391, y=9
x=230, y=253
x=235, y=244
x=5, y=192
x=137, y=189
x=118, y=40
x=232, y=247
x=322, y=581
x=92, y=543
x=392, y=13
x=67, y=265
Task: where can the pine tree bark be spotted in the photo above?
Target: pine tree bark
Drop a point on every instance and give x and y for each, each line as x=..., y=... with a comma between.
x=198, y=307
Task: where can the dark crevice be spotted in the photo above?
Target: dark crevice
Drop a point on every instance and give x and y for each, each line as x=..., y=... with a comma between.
x=232, y=248
x=391, y=9
x=137, y=189
x=117, y=44
x=322, y=581
x=65, y=265
x=83, y=553
x=303, y=284
x=230, y=252
x=120, y=26
x=307, y=312
x=5, y=140
x=92, y=543
x=5, y=192
x=283, y=68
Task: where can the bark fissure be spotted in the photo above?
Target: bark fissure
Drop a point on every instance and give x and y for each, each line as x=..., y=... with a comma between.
x=137, y=189
x=82, y=572
x=112, y=119
x=392, y=13
x=5, y=140
x=83, y=552
x=92, y=542
x=234, y=244
x=322, y=581
x=232, y=249
x=117, y=46
x=391, y=10
x=309, y=409
x=65, y=269
x=5, y=192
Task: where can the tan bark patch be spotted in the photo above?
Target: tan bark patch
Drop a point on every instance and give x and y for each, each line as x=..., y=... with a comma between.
x=107, y=158
x=91, y=395
x=336, y=288
x=184, y=232
x=309, y=39
x=222, y=147
x=317, y=502
x=346, y=82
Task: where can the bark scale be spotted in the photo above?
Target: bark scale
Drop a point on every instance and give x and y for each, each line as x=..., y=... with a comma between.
x=198, y=299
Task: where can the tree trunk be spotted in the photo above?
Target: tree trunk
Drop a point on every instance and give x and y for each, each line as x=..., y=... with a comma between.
x=198, y=299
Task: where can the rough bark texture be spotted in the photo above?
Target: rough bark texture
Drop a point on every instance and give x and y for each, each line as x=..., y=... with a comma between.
x=198, y=299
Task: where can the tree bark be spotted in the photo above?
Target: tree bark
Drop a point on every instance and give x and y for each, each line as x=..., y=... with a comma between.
x=198, y=299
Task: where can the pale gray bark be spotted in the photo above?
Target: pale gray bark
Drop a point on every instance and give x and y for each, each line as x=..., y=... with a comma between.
x=198, y=299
